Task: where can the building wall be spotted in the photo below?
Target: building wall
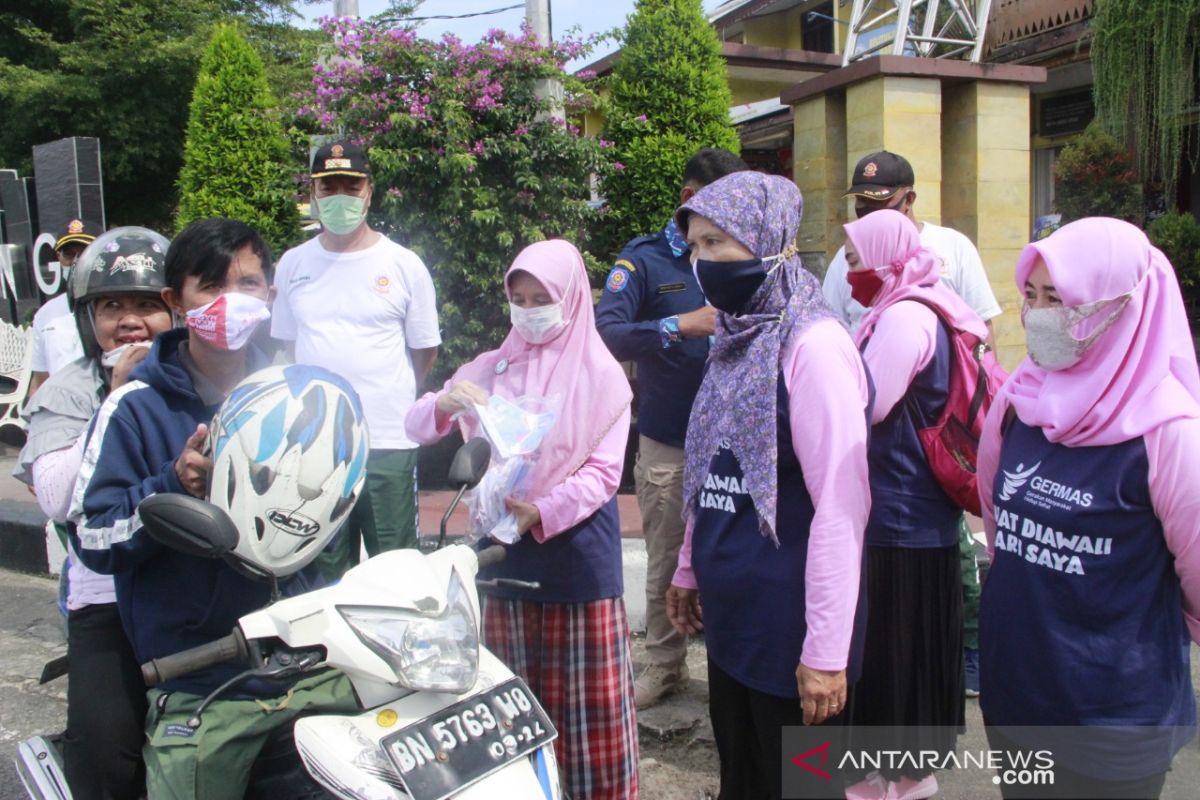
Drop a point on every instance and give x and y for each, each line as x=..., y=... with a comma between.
x=968, y=143
x=750, y=91
x=775, y=30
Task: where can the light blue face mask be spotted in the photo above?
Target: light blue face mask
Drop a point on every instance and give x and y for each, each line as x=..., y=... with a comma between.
x=341, y=214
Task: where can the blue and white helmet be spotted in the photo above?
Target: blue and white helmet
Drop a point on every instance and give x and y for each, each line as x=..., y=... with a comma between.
x=289, y=449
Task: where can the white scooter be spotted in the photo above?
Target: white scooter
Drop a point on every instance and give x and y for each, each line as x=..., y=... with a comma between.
x=446, y=718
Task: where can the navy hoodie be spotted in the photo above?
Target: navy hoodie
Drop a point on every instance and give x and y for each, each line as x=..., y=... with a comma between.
x=168, y=601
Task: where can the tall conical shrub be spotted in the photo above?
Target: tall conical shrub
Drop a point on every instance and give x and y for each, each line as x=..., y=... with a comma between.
x=669, y=98
x=236, y=161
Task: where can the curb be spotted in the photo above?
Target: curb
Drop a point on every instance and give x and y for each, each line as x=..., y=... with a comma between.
x=23, y=538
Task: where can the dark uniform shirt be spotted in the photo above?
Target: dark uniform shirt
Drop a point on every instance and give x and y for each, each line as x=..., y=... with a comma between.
x=650, y=283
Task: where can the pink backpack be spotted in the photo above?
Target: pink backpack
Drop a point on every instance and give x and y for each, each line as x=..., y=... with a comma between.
x=951, y=443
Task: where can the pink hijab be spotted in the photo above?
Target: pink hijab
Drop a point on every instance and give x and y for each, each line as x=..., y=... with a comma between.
x=575, y=366
x=889, y=238
x=1141, y=372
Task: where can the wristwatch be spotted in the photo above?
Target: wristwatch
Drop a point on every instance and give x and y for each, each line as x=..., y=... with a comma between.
x=668, y=328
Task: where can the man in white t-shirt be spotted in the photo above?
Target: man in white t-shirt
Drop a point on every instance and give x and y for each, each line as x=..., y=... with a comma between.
x=55, y=337
x=885, y=180
x=355, y=302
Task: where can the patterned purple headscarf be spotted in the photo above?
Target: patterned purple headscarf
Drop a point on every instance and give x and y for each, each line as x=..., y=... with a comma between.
x=738, y=399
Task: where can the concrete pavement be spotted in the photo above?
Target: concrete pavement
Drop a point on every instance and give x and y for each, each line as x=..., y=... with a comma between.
x=679, y=759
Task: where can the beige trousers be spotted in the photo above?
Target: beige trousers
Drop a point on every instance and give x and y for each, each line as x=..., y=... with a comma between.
x=659, y=477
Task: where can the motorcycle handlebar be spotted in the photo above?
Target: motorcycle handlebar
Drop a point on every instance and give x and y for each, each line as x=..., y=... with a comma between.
x=227, y=648
x=491, y=555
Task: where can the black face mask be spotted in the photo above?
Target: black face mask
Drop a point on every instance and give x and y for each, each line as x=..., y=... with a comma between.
x=729, y=285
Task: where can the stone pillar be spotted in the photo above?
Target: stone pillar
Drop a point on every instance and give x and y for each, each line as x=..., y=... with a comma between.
x=819, y=169
x=901, y=114
x=986, y=189
x=964, y=128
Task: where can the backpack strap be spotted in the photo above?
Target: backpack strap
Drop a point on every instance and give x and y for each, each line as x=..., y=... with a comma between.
x=979, y=351
x=1010, y=414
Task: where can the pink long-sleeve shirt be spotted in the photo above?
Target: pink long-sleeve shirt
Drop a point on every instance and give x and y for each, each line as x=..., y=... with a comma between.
x=827, y=400
x=571, y=501
x=1174, y=475
x=902, y=344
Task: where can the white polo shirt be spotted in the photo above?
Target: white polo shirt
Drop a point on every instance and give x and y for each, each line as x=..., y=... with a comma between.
x=962, y=271
x=358, y=314
x=55, y=338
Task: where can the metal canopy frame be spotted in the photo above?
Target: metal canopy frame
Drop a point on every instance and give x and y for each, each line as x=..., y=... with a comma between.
x=924, y=28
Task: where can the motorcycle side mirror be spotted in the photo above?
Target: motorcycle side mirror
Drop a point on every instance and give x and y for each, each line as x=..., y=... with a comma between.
x=188, y=524
x=470, y=463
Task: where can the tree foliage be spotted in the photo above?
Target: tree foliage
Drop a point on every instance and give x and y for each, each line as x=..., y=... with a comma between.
x=669, y=98
x=236, y=160
x=1094, y=176
x=1144, y=62
x=468, y=167
x=122, y=71
x=1177, y=234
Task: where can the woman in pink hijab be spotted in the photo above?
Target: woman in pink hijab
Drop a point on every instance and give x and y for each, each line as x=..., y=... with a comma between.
x=1088, y=477
x=569, y=639
x=912, y=658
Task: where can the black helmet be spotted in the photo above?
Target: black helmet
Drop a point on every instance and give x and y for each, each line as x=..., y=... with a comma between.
x=130, y=260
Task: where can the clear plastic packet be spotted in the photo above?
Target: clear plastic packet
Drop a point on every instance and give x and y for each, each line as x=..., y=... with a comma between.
x=515, y=428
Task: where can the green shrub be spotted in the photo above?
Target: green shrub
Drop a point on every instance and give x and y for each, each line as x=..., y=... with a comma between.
x=1177, y=234
x=1095, y=177
x=236, y=160
x=669, y=98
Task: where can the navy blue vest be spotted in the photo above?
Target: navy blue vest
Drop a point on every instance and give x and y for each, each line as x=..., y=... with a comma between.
x=751, y=592
x=908, y=506
x=1081, y=620
x=577, y=566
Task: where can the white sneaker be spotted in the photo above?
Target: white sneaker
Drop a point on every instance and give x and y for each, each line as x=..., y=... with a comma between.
x=658, y=681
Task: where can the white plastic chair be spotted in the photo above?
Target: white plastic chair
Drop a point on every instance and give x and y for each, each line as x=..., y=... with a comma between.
x=16, y=358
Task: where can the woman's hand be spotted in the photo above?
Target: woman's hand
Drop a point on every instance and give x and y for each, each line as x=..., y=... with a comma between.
x=133, y=356
x=683, y=610
x=462, y=396
x=822, y=693
x=527, y=514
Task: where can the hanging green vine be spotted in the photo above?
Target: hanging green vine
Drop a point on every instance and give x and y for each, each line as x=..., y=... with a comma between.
x=1144, y=67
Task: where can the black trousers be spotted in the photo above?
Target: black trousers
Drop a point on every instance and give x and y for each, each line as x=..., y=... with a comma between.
x=1071, y=785
x=747, y=725
x=106, y=708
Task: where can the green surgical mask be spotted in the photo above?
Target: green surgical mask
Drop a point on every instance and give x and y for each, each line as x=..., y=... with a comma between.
x=341, y=214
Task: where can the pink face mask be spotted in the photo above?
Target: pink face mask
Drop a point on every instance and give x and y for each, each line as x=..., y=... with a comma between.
x=228, y=322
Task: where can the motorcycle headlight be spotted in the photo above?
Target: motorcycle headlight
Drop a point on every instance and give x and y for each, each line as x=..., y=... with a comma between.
x=434, y=652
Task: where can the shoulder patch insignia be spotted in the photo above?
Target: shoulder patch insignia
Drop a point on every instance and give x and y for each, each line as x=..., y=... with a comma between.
x=626, y=263
x=618, y=279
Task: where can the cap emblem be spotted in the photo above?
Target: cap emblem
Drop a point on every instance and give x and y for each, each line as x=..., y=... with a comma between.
x=870, y=170
x=337, y=151
x=75, y=226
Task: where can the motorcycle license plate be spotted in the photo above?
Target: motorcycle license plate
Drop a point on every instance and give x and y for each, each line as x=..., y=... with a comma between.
x=469, y=740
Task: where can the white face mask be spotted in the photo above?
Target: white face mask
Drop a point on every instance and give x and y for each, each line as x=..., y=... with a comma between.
x=110, y=358
x=1048, y=331
x=228, y=322
x=540, y=324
